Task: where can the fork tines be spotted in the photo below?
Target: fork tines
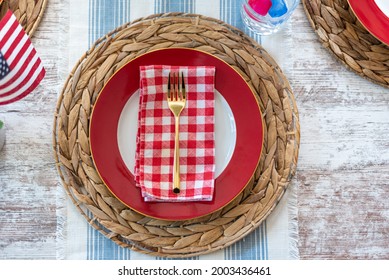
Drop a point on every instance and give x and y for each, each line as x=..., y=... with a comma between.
x=176, y=86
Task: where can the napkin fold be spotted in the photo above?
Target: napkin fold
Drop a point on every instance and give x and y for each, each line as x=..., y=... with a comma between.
x=155, y=137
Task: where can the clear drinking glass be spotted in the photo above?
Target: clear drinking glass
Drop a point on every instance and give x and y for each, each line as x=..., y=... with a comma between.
x=265, y=17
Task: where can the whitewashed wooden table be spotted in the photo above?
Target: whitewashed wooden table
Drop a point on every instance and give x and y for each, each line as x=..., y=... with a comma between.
x=342, y=178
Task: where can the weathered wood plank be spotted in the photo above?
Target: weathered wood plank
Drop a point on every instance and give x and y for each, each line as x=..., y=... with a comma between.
x=28, y=178
x=344, y=159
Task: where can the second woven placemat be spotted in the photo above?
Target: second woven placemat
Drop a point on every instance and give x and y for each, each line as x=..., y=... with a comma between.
x=192, y=237
x=343, y=35
x=28, y=12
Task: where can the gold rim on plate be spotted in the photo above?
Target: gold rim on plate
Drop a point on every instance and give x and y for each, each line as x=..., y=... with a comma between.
x=259, y=155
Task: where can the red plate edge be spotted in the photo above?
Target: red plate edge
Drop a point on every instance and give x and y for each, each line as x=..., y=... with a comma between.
x=181, y=210
x=372, y=18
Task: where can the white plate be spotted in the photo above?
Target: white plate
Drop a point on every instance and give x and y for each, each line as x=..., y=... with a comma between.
x=225, y=132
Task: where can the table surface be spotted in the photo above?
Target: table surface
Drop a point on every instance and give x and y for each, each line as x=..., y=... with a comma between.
x=343, y=169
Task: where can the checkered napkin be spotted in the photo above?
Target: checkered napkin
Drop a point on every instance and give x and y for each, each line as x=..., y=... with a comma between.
x=155, y=138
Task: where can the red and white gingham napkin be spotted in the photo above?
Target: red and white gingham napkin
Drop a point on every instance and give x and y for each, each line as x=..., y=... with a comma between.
x=155, y=138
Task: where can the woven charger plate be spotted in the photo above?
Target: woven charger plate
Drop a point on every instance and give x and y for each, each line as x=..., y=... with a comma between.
x=343, y=35
x=28, y=12
x=191, y=237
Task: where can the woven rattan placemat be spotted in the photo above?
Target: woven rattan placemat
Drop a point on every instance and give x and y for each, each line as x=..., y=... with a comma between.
x=28, y=12
x=192, y=237
x=343, y=35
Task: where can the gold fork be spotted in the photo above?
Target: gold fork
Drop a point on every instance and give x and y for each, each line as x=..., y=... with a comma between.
x=176, y=99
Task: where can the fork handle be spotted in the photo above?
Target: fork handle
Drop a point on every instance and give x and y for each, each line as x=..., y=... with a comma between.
x=176, y=164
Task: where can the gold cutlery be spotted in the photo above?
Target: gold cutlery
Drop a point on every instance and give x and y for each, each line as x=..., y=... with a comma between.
x=176, y=99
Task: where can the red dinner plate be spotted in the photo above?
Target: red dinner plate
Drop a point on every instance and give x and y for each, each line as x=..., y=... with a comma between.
x=115, y=173
x=370, y=14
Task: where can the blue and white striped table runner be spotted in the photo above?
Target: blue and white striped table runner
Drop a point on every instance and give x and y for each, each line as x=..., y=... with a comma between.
x=276, y=238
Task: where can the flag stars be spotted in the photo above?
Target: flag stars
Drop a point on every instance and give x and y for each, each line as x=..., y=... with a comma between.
x=4, y=69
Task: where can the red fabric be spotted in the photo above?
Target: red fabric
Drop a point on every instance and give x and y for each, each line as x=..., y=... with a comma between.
x=155, y=139
x=21, y=69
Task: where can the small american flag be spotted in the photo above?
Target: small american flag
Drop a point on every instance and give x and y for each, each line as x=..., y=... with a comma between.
x=21, y=69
